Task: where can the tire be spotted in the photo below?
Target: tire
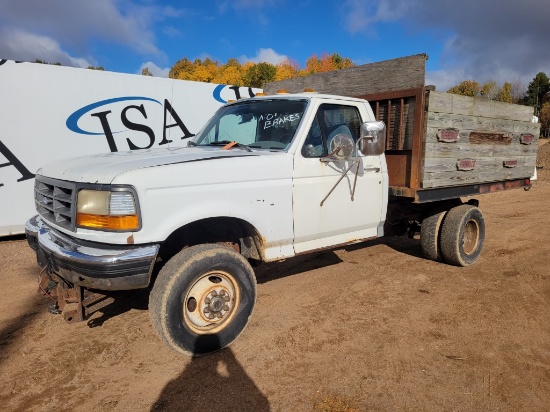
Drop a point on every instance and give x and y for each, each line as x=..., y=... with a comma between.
x=462, y=235
x=202, y=299
x=430, y=236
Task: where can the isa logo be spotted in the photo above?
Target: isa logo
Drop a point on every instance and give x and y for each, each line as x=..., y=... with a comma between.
x=138, y=122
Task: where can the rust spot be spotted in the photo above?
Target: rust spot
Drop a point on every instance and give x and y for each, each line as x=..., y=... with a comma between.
x=510, y=163
x=130, y=239
x=490, y=138
x=231, y=245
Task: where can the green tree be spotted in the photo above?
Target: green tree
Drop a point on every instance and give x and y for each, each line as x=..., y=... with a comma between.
x=259, y=74
x=146, y=72
x=536, y=91
x=95, y=68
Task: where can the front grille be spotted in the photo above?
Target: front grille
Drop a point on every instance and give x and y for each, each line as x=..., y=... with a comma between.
x=55, y=201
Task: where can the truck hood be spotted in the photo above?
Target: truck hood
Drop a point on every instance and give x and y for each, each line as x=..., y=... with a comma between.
x=104, y=167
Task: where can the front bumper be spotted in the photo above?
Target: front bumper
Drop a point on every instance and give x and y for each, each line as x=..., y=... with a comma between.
x=89, y=264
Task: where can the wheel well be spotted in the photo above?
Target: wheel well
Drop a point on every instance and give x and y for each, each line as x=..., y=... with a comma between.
x=228, y=231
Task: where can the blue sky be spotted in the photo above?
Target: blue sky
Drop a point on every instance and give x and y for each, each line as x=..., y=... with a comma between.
x=500, y=40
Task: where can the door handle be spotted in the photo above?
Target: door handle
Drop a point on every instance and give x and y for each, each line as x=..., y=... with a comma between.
x=371, y=169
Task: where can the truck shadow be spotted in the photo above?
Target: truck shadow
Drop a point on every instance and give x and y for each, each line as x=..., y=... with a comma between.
x=401, y=244
x=12, y=331
x=123, y=301
x=303, y=263
x=214, y=382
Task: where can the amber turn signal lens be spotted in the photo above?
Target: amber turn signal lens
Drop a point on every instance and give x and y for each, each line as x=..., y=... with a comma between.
x=123, y=222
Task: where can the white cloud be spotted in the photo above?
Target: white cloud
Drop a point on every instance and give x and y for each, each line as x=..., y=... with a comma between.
x=264, y=55
x=154, y=69
x=24, y=46
x=484, y=40
x=362, y=15
x=76, y=25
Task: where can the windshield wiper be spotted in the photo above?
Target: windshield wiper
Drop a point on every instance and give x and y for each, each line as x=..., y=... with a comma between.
x=230, y=144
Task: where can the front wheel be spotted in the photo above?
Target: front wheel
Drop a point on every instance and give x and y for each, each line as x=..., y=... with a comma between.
x=462, y=235
x=202, y=299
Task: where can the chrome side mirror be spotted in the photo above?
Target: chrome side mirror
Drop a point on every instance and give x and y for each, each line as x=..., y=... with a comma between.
x=372, y=141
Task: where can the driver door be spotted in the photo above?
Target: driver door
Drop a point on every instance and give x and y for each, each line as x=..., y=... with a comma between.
x=324, y=212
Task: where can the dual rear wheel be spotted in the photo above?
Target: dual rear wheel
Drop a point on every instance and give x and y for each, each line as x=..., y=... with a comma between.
x=455, y=237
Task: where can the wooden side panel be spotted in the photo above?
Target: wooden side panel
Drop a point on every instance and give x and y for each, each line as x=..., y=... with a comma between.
x=381, y=77
x=489, y=147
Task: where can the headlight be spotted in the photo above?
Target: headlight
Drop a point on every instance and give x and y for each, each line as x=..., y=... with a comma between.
x=99, y=209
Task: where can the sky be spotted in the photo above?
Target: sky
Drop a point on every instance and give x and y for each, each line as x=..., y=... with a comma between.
x=482, y=40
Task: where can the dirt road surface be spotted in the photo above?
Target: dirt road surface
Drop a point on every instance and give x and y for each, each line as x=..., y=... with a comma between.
x=372, y=327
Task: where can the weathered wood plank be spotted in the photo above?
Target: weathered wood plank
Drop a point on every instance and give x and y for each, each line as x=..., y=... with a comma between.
x=458, y=150
x=390, y=75
x=477, y=123
x=484, y=164
x=465, y=129
x=464, y=105
x=443, y=179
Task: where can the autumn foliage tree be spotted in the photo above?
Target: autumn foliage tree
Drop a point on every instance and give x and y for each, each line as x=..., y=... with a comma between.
x=489, y=90
x=466, y=88
x=326, y=63
x=254, y=74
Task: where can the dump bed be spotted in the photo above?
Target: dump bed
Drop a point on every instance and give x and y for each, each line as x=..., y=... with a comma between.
x=438, y=145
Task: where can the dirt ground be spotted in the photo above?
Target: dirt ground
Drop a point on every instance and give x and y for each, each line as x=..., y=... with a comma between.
x=372, y=327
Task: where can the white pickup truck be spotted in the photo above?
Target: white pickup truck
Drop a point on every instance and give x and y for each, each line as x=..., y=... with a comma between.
x=267, y=178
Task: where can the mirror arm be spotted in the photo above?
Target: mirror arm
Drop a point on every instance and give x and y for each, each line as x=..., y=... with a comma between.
x=339, y=180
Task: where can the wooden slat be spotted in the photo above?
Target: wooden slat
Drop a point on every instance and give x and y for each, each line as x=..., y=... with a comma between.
x=464, y=105
x=437, y=179
x=469, y=123
x=494, y=164
x=431, y=136
x=459, y=150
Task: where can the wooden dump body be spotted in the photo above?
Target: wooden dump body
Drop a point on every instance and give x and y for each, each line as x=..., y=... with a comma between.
x=438, y=145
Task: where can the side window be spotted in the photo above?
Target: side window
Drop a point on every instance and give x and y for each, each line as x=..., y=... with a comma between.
x=330, y=120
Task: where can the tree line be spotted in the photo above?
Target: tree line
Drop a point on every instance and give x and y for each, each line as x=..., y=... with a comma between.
x=253, y=74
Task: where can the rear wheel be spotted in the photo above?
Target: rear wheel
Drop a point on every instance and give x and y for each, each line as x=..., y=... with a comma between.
x=462, y=235
x=202, y=299
x=430, y=236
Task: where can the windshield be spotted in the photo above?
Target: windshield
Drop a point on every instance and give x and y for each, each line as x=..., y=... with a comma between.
x=261, y=124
